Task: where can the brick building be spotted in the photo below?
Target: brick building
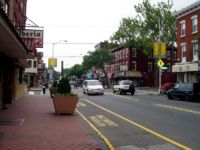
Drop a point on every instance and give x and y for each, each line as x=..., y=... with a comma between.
x=188, y=32
x=14, y=50
x=133, y=64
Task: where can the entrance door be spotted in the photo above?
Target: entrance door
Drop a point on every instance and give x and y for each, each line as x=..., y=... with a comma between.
x=7, y=86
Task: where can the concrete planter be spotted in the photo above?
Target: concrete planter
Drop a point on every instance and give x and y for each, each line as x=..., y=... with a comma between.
x=65, y=104
x=53, y=91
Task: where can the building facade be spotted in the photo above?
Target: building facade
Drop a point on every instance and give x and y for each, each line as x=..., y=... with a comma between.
x=13, y=51
x=187, y=67
x=131, y=63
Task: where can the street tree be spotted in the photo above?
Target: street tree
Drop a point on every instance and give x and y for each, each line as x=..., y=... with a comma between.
x=98, y=59
x=152, y=23
x=76, y=70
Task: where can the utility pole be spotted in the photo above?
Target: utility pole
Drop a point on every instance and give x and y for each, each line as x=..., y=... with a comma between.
x=159, y=56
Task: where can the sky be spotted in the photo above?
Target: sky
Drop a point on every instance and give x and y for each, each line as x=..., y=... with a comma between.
x=82, y=23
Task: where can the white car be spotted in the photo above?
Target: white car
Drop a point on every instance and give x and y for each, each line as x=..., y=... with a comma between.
x=124, y=86
x=92, y=87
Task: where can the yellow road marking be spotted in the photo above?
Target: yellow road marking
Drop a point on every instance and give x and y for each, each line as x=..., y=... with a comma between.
x=110, y=146
x=179, y=108
x=140, y=126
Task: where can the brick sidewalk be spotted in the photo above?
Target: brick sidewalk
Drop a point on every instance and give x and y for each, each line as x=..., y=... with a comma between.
x=41, y=129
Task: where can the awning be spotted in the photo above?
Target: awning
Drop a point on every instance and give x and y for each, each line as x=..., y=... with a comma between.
x=136, y=74
x=188, y=67
x=10, y=42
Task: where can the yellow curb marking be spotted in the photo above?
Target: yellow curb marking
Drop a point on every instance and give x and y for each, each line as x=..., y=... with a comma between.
x=110, y=146
x=179, y=108
x=140, y=126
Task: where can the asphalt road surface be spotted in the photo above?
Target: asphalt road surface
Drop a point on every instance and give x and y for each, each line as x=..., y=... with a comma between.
x=139, y=122
x=142, y=121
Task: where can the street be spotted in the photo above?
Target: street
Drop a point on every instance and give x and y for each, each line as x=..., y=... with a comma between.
x=143, y=121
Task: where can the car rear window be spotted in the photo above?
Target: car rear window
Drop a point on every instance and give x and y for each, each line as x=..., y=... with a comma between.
x=126, y=83
x=94, y=83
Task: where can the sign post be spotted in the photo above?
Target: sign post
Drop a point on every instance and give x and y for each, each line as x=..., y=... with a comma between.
x=159, y=51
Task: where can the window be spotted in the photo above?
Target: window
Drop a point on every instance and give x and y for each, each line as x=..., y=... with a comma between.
x=5, y=7
x=194, y=24
x=116, y=56
x=133, y=66
x=34, y=64
x=195, y=50
x=30, y=63
x=149, y=66
x=169, y=67
x=182, y=28
x=133, y=52
x=126, y=52
x=183, y=52
x=168, y=55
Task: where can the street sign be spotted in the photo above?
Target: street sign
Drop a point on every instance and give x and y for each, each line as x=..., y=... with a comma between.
x=164, y=68
x=159, y=49
x=160, y=63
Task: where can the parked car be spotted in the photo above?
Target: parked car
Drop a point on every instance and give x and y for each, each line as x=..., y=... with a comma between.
x=186, y=91
x=124, y=86
x=92, y=87
x=165, y=87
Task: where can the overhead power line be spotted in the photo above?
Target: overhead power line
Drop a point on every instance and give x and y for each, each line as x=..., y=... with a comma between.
x=73, y=43
x=63, y=56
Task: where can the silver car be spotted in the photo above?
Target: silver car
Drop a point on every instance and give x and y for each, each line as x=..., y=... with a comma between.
x=92, y=87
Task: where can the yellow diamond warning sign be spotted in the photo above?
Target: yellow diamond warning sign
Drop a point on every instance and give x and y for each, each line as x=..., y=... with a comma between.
x=160, y=63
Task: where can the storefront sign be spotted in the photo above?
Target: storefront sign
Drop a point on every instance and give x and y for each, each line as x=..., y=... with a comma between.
x=186, y=67
x=37, y=35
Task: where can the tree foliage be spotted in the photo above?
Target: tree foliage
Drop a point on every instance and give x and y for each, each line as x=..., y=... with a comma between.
x=97, y=59
x=76, y=70
x=152, y=23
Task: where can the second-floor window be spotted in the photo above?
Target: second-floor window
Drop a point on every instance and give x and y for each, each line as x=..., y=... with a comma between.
x=168, y=55
x=133, y=66
x=34, y=64
x=183, y=52
x=30, y=63
x=195, y=50
x=183, y=28
x=133, y=52
x=194, y=24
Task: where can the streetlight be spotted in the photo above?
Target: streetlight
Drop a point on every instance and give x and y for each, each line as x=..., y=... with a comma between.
x=58, y=42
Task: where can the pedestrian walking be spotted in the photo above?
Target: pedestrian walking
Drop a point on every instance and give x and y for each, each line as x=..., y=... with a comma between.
x=44, y=88
x=75, y=85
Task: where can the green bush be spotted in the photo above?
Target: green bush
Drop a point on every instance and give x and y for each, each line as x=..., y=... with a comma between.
x=55, y=84
x=64, y=87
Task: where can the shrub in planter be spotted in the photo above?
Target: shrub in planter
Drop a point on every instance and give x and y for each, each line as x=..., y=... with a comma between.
x=64, y=100
x=64, y=87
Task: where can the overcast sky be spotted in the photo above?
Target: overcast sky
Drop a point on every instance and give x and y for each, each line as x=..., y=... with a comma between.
x=81, y=21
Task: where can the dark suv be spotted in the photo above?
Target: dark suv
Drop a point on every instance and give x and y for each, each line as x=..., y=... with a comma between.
x=186, y=91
